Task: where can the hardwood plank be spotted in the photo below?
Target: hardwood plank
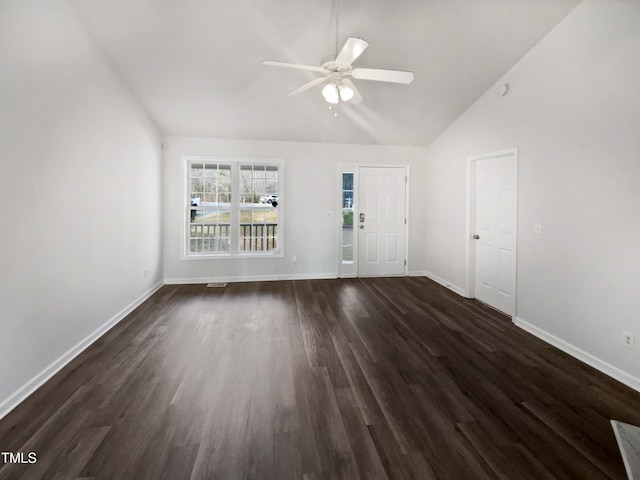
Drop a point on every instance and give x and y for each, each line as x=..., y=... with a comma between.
x=364, y=451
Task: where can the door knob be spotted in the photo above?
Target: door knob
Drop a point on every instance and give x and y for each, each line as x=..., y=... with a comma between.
x=362, y=227
x=476, y=237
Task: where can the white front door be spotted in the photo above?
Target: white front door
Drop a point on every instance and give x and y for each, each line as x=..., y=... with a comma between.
x=381, y=221
x=495, y=230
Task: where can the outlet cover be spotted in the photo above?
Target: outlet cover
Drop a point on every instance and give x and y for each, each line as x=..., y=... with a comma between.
x=628, y=339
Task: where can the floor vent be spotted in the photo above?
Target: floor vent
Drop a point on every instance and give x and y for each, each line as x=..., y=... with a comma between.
x=217, y=285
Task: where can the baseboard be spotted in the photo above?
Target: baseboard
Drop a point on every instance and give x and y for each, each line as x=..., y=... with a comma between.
x=36, y=382
x=271, y=278
x=591, y=360
x=417, y=273
x=251, y=278
x=445, y=283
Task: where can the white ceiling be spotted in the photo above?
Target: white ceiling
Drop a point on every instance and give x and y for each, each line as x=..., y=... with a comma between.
x=197, y=64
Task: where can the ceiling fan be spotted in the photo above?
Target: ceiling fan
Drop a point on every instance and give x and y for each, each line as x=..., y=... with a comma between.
x=335, y=74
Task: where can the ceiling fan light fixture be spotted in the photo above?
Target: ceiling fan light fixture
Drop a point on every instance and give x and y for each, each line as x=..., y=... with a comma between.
x=330, y=93
x=346, y=93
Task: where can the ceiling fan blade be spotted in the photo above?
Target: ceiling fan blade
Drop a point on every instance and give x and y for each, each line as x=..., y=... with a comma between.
x=292, y=65
x=351, y=50
x=394, y=76
x=357, y=98
x=306, y=86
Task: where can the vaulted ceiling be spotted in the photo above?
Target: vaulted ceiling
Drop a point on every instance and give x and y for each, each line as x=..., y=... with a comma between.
x=196, y=65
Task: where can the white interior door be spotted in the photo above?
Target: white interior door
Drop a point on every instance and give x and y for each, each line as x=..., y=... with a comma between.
x=495, y=231
x=381, y=221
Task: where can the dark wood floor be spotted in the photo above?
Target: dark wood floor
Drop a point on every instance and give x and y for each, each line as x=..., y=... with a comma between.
x=370, y=379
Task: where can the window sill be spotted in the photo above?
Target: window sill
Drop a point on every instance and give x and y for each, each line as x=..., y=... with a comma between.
x=238, y=256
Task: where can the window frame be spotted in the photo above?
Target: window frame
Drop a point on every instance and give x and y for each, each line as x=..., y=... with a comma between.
x=354, y=223
x=348, y=269
x=235, y=163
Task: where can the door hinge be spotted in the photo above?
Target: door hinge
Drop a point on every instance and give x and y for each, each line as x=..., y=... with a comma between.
x=405, y=263
x=406, y=179
x=405, y=221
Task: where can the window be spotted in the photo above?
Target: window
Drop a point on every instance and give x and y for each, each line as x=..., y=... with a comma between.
x=209, y=208
x=347, y=217
x=234, y=208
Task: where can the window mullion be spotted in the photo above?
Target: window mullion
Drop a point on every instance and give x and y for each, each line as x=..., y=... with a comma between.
x=235, y=206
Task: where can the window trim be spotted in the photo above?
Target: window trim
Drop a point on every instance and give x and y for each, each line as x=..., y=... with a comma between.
x=236, y=163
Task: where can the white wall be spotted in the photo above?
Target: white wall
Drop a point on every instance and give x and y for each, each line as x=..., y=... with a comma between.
x=311, y=189
x=80, y=198
x=573, y=111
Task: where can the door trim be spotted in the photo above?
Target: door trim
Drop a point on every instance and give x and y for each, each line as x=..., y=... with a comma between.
x=355, y=168
x=471, y=220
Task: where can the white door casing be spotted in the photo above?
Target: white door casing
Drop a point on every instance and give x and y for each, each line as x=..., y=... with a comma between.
x=381, y=221
x=493, y=229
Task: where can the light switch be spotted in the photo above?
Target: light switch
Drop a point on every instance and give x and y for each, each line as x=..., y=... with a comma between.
x=537, y=228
